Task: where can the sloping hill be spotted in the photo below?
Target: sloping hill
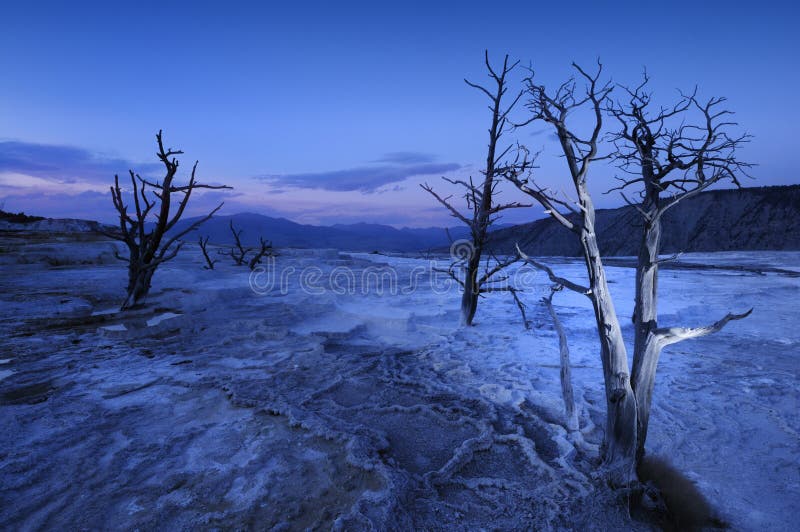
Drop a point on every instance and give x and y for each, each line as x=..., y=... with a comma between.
x=765, y=218
x=21, y=222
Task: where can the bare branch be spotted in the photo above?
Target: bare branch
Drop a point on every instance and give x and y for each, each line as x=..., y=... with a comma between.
x=445, y=201
x=671, y=258
x=203, y=242
x=521, y=307
x=194, y=225
x=654, y=144
x=553, y=277
x=671, y=335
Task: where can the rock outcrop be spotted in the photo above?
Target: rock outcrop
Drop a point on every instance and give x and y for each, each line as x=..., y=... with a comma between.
x=747, y=219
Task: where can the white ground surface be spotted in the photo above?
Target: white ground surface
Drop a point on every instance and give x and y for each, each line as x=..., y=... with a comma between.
x=215, y=406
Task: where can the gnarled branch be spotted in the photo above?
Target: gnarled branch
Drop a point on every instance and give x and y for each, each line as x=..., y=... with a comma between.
x=671, y=335
x=566, y=283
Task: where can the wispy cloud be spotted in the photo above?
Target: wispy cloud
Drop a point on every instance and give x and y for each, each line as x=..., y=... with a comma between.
x=63, y=164
x=406, y=157
x=366, y=179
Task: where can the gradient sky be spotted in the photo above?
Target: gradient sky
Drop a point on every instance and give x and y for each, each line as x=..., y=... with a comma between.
x=336, y=111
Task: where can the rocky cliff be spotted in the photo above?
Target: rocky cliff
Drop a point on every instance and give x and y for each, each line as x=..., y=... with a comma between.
x=765, y=218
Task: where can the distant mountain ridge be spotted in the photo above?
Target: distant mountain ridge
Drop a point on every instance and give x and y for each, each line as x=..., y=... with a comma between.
x=746, y=219
x=350, y=237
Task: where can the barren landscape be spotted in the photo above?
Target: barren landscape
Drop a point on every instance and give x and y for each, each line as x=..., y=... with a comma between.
x=399, y=266
x=330, y=404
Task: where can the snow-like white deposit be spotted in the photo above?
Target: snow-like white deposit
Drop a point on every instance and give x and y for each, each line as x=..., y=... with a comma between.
x=341, y=392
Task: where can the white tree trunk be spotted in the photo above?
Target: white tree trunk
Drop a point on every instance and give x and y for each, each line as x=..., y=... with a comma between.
x=620, y=437
x=649, y=339
x=646, y=348
x=566, y=370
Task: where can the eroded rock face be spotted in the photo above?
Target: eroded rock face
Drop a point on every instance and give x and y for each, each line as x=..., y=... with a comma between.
x=766, y=218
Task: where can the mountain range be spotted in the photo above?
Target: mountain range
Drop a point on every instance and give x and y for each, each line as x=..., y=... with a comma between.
x=765, y=218
x=351, y=237
x=756, y=218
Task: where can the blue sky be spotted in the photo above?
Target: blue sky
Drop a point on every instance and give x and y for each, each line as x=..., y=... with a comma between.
x=335, y=112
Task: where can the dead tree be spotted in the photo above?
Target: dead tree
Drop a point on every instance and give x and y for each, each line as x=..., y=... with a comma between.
x=553, y=108
x=203, y=242
x=149, y=248
x=667, y=155
x=566, y=370
x=237, y=252
x=479, y=199
x=265, y=249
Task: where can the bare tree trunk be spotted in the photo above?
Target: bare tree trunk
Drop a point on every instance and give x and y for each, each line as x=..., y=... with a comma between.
x=565, y=373
x=646, y=349
x=644, y=378
x=620, y=437
x=139, y=282
x=469, y=299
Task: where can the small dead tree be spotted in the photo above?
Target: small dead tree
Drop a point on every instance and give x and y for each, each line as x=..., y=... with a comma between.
x=265, y=249
x=553, y=108
x=237, y=252
x=479, y=198
x=203, y=242
x=149, y=248
x=668, y=155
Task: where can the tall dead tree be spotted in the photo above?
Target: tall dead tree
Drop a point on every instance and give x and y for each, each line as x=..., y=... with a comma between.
x=554, y=108
x=667, y=155
x=479, y=199
x=145, y=230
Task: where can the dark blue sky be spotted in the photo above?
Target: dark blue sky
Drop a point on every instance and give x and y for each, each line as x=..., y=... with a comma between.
x=327, y=112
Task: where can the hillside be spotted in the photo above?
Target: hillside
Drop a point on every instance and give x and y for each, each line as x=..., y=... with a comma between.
x=765, y=218
x=747, y=219
x=11, y=222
